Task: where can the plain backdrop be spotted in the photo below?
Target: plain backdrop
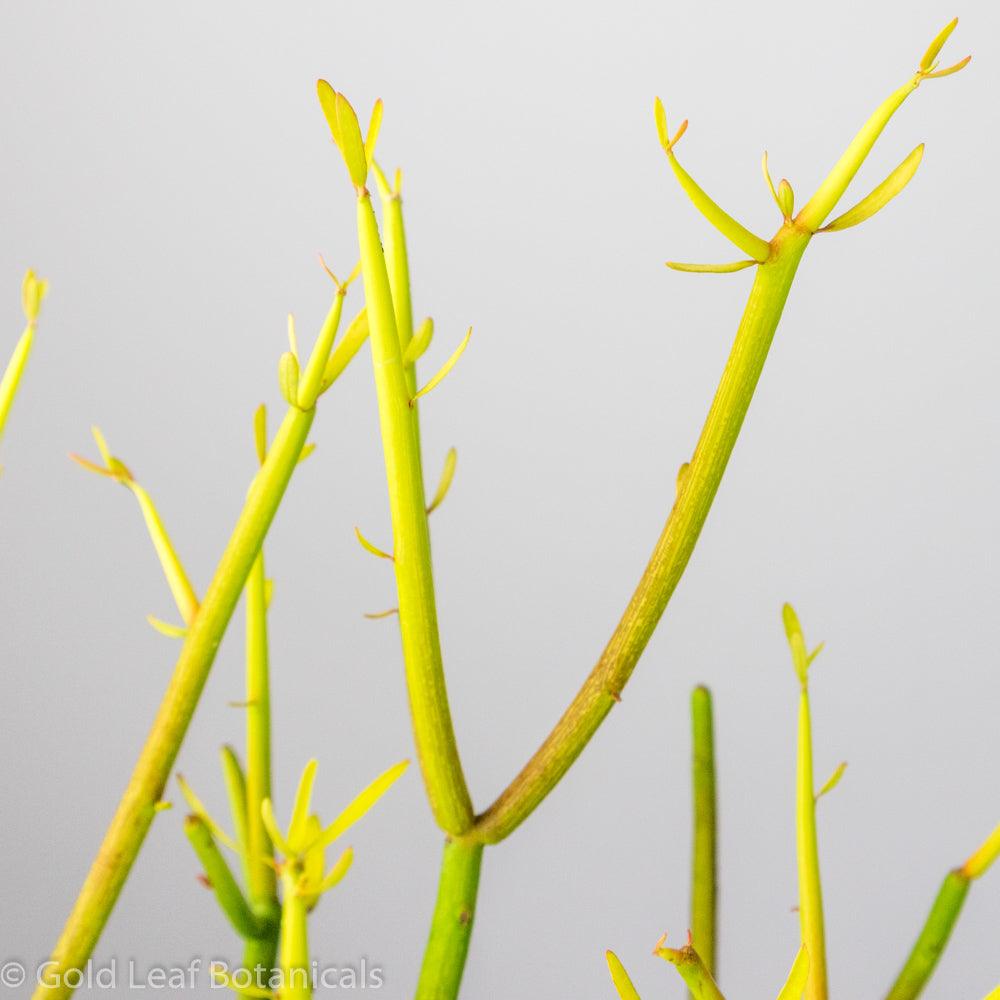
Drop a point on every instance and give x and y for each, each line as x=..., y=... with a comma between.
x=167, y=167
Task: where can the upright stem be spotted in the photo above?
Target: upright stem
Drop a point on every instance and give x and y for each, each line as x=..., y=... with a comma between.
x=810, y=888
x=261, y=878
x=704, y=880
x=696, y=489
x=432, y=726
x=294, y=949
x=135, y=812
x=451, y=925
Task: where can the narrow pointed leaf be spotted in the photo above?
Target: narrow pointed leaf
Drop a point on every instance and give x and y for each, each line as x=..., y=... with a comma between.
x=344, y=352
x=420, y=342
x=288, y=378
x=795, y=984
x=166, y=628
x=445, y=368
x=236, y=789
x=935, y=47
x=444, y=484
x=375, y=615
x=373, y=129
x=961, y=64
x=197, y=807
x=737, y=265
x=352, y=146
x=362, y=803
x=881, y=196
x=620, y=978
x=338, y=871
x=834, y=780
x=303, y=803
x=368, y=547
x=273, y=830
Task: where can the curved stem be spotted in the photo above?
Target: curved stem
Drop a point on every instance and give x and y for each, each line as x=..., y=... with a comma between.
x=697, y=486
x=432, y=726
x=135, y=812
x=451, y=925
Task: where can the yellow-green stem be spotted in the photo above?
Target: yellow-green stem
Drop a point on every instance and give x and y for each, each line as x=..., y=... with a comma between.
x=451, y=925
x=432, y=726
x=135, y=812
x=810, y=888
x=261, y=878
x=697, y=486
x=703, y=857
x=293, y=952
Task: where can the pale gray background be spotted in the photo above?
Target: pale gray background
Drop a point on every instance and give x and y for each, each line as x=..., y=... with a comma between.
x=167, y=168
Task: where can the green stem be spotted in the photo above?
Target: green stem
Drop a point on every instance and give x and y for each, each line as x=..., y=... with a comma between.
x=261, y=877
x=227, y=891
x=703, y=863
x=941, y=920
x=697, y=486
x=294, y=949
x=135, y=812
x=451, y=925
x=432, y=726
x=810, y=886
x=933, y=937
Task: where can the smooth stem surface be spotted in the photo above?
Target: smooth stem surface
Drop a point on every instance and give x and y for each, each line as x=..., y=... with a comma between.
x=696, y=491
x=261, y=877
x=220, y=877
x=933, y=937
x=432, y=726
x=293, y=955
x=703, y=859
x=135, y=812
x=807, y=851
x=451, y=925
x=941, y=920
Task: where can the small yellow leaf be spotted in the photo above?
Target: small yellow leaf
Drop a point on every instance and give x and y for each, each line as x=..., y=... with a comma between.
x=165, y=628
x=362, y=803
x=738, y=265
x=373, y=129
x=834, y=780
x=444, y=484
x=935, y=47
x=368, y=547
x=880, y=196
x=445, y=368
x=419, y=343
x=288, y=378
x=260, y=432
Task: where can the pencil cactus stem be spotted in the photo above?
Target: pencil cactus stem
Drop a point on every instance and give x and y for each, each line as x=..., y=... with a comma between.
x=692, y=970
x=734, y=231
x=261, y=878
x=228, y=893
x=933, y=938
x=311, y=382
x=670, y=555
x=293, y=946
x=432, y=726
x=452, y=922
x=806, y=838
x=814, y=214
x=704, y=884
x=134, y=815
